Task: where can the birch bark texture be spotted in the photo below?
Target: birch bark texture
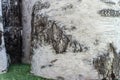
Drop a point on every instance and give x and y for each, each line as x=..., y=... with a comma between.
x=73, y=39
x=3, y=55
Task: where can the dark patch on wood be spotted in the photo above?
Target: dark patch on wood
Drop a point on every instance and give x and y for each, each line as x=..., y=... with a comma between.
x=53, y=61
x=100, y=63
x=1, y=33
x=109, y=13
x=1, y=19
x=104, y=79
x=69, y=6
x=50, y=65
x=113, y=76
x=4, y=70
x=108, y=2
x=76, y=46
x=47, y=32
x=43, y=67
x=60, y=78
x=73, y=28
x=96, y=42
x=79, y=0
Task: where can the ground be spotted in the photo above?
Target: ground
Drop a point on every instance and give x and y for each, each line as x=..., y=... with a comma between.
x=19, y=72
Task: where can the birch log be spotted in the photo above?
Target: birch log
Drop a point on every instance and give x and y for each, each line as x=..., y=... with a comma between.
x=72, y=39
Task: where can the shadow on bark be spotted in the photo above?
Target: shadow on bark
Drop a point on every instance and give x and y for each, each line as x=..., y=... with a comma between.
x=12, y=29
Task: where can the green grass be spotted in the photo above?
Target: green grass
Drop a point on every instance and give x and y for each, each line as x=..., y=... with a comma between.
x=19, y=72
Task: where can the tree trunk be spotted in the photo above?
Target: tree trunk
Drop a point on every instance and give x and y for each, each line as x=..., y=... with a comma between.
x=26, y=20
x=72, y=40
x=3, y=56
x=13, y=29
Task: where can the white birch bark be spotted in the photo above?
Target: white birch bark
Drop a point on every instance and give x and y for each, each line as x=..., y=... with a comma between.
x=3, y=56
x=90, y=27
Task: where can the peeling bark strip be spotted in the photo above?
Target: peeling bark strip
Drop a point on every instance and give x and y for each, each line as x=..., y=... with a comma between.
x=108, y=65
x=47, y=31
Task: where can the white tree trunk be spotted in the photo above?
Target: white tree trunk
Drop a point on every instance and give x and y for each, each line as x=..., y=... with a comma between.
x=68, y=34
x=3, y=56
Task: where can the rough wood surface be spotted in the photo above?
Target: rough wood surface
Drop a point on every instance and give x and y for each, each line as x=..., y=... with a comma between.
x=69, y=39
